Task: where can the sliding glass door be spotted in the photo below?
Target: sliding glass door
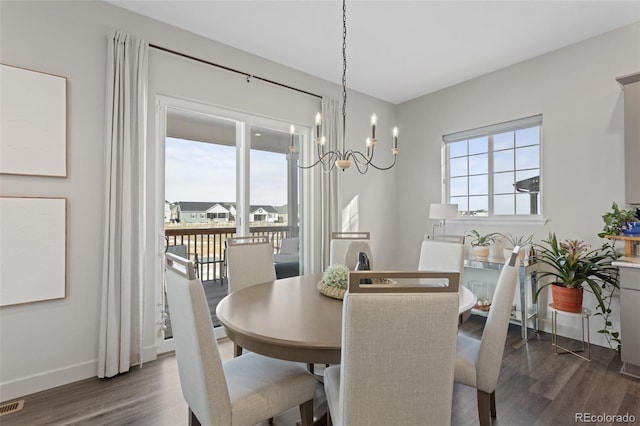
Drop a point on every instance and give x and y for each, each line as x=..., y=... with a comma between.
x=226, y=173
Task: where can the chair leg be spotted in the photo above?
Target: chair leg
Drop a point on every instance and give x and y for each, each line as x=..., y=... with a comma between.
x=237, y=350
x=484, y=408
x=193, y=420
x=306, y=413
x=492, y=404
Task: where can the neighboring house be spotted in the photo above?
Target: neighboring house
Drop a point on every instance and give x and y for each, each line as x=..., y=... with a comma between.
x=211, y=211
x=167, y=211
x=194, y=211
x=283, y=213
x=263, y=214
x=174, y=213
x=222, y=212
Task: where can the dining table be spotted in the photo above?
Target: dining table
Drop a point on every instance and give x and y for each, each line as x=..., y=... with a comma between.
x=290, y=319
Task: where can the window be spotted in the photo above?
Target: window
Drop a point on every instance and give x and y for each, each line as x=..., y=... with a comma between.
x=495, y=170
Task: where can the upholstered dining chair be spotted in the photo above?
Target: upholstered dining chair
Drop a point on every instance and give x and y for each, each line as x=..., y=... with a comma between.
x=242, y=391
x=478, y=361
x=403, y=375
x=442, y=253
x=345, y=247
x=249, y=262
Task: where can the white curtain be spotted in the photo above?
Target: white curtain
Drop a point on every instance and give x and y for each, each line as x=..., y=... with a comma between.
x=122, y=313
x=330, y=195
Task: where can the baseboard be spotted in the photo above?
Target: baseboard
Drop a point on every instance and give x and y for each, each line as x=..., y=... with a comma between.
x=20, y=387
x=27, y=385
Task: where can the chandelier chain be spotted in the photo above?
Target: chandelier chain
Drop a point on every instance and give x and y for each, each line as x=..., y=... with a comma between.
x=344, y=73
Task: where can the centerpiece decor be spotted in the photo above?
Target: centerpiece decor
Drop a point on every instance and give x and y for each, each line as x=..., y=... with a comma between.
x=573, y=267
x=334, y=281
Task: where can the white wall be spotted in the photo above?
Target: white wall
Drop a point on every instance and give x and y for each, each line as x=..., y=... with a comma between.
x=47, y=344
x=582, y=106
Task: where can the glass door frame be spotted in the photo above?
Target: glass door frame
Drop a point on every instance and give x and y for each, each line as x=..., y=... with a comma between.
x=244, y=122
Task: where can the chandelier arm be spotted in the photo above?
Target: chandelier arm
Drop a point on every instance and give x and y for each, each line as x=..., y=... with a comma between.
x=323, y=160
x=361, y=159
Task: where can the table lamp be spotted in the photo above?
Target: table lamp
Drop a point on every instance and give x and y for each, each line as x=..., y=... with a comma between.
x=442, y=212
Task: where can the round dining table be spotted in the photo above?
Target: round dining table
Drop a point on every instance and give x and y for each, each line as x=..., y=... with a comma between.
x=290, y=319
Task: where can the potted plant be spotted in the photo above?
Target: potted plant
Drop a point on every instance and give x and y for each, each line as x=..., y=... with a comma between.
x=618, y=220
x=573, y=267
x=481, y=243
x=510, y=241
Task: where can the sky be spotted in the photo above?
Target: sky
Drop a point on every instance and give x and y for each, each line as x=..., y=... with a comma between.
x=199, y=171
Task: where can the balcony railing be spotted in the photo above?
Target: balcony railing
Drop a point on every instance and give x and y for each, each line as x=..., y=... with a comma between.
x=205, y=246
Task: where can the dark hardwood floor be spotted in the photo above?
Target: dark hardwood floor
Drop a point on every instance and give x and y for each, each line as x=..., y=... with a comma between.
x=536, y=387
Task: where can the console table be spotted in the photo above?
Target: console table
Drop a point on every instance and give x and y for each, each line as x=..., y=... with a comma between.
x=525, y=270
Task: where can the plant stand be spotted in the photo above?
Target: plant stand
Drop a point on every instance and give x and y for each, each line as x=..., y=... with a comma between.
x=584, y=315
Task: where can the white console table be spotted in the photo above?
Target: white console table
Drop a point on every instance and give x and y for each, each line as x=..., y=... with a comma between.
x=526, y=270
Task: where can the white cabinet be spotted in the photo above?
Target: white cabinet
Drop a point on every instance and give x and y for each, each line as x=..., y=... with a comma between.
x=630, y=318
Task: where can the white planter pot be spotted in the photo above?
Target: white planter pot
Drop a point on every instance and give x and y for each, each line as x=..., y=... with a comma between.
x=481, y=252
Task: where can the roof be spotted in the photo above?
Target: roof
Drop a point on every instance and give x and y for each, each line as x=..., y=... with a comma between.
x=195, y=206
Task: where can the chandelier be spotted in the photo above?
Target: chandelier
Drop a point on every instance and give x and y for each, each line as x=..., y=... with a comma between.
x=342, y=158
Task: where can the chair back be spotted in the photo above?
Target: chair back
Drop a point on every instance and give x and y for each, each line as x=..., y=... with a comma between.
x=199, y=364
x=345, y=247
x=249, y=262
x=495, y=329
x=398, y=349
x=442, y=253
x=439, y=254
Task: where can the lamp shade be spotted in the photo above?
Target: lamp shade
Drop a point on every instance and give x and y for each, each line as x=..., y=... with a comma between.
x=443, y=211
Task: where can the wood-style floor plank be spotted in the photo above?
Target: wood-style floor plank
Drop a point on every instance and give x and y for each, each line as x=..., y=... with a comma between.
x=535, y=387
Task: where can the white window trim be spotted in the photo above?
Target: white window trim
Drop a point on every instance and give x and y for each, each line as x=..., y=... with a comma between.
x=512, y=125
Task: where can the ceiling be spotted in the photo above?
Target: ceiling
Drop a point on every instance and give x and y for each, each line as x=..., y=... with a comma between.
x=396, y=50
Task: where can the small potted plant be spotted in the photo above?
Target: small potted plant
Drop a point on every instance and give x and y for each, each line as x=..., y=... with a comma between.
x=481, y=243
x=618, y=221
x=573, y=266
x=334, y=281
x=510, y=241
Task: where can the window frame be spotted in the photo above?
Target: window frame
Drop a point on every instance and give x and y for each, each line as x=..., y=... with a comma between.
x=490, y=131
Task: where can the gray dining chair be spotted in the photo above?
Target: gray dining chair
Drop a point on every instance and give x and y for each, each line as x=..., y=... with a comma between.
x=404, y=374
x=478, y=362
x=242, y=391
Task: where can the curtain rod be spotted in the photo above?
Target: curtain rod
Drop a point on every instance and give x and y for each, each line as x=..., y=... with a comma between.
x=249, y=76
